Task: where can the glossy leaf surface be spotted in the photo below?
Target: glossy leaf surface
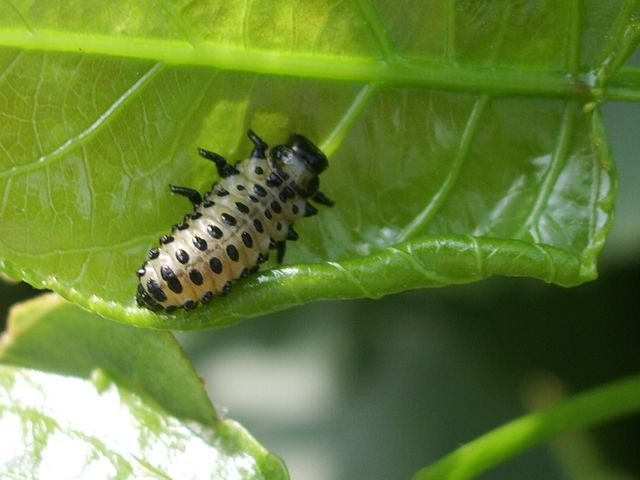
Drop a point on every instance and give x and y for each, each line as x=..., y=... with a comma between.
x=53, y=335
x=465, y=139
x=125, y=401
x=112, y=432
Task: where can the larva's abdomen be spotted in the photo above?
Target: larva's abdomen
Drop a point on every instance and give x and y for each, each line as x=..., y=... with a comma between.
x=248, y=212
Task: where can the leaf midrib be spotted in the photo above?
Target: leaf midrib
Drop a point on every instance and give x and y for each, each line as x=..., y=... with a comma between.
x=394, y=72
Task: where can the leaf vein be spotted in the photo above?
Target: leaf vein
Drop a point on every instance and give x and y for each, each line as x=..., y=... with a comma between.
x=348, y=119
x=184, y=121
x=20, y=14
x=617, y=33
x=551, y=269
x=79, y=139
x=450, y=40
x=178, y=21
x=418, y=266
x=34, y=110
x=351, y=277
x=401, y=72
x=502, y=32
x=477, y=253
x=551, y=176
x=426, y=215
x=10, y=65
x=575, y=27
x=377, y=28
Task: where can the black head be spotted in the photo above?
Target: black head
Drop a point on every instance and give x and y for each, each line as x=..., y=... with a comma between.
x=300, y=162
x=307, y=152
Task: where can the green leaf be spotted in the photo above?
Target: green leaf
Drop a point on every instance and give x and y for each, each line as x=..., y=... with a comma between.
x=114, y=433
x=51, y=334
x=74, y=399
x=465, y=139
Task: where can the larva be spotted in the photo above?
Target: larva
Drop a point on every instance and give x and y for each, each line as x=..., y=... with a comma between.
x=249, y=211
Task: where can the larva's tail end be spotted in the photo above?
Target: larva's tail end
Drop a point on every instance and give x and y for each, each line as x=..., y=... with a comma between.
x=144, y=300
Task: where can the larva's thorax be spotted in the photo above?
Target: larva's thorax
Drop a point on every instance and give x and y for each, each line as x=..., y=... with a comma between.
x=248, y=212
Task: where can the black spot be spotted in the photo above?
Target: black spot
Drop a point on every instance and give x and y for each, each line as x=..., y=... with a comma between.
x=143, y=299
x=214, y=231
x=240, y=187
x=233, y=253
x=253, y=199
x=259, y=171
x=189, y=305
x=180, y=226
x=156, y=291
x=242, y=207
x=153, y=253
x=276, y=207
x=262, y=258
x=194, y=216
x=206, y=298
x=267, y=213
x=229, y=219
x=244, y=273
x=199, y=243
x=216, y=265
x=196, y=277
x=294, y=209
x=226, y=288
x=222, y=193
x=247, y=240
x=288, y=192
x=272, y=243
x=182, y=256
x=282, y=196
x=170, y=277
x=141, y=272
x=278, y=226
x=258, y=225
x=274, y=180
x=259, y=190
x=208, y=203
x=166, y=239
x=170, y=308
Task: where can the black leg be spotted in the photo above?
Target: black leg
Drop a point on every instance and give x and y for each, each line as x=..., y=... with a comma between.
x=322, y=199
x=292, y=234
x=224, y=169
x=310, y=210
x=193, y=195
x=260, y=145
x=281, y=247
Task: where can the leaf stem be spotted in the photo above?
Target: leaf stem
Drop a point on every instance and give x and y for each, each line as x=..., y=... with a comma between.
x=584, y=410
x=624, y=85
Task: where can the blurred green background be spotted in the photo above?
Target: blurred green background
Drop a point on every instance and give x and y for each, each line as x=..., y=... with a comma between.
x=378, y=389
